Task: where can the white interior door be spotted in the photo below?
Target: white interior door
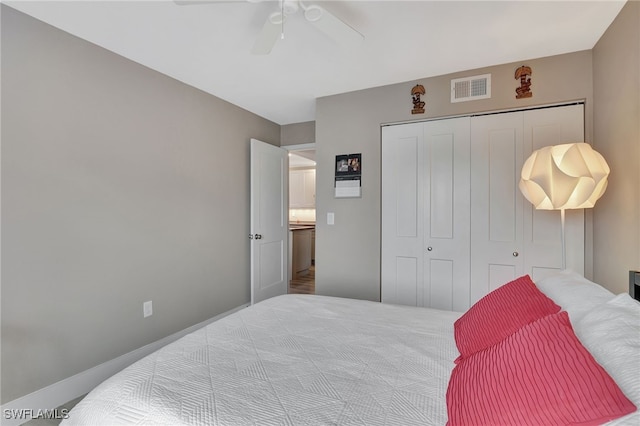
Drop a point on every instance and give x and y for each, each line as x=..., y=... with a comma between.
x=402, y=225
x=542, y=228
x=269, y=221
x=509, y=237
x=446, y=244
x=496, y=220
x=425, y=214
x=452, y=209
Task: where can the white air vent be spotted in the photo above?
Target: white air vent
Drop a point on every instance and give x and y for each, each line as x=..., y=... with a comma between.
x=471, y=88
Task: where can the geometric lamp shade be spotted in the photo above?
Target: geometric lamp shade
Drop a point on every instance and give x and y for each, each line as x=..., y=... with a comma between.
x=568, y=176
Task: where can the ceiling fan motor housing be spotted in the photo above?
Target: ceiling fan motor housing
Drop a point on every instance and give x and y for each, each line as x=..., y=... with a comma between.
x=290, y=7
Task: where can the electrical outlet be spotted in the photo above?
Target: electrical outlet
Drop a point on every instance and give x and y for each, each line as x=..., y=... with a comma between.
x=147, y=309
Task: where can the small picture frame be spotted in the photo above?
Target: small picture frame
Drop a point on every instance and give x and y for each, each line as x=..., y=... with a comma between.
x=348, y=165
x=348, y=176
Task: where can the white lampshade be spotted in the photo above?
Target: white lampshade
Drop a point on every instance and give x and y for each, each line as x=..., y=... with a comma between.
x=569, y=176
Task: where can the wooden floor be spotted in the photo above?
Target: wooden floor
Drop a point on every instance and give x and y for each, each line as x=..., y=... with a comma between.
x=305, y=284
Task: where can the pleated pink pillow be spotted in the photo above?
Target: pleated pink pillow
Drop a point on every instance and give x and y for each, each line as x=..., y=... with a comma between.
x=540, y=375
x=499, y=314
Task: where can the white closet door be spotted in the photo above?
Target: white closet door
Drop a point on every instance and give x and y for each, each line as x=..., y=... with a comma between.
x=542, y=228
x=402, y=271
x=509, y=238
x=425, y=214
x=454, y=223
x=497, y=205
x=446, y=243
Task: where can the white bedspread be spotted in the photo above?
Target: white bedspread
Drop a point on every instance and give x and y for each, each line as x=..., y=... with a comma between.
x=290, y=360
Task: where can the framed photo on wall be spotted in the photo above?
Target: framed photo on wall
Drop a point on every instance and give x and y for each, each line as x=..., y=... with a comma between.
x=348, y=172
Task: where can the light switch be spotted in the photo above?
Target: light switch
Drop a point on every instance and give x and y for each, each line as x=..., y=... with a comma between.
x=330, y=218
x=147, y=309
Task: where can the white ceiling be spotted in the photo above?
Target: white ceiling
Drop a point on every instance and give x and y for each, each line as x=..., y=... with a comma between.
x=208, y=45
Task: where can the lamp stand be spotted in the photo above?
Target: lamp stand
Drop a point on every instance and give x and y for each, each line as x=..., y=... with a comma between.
x=564, y=248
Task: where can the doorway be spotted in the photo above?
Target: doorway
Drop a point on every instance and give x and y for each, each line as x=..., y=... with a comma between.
x=302, y=218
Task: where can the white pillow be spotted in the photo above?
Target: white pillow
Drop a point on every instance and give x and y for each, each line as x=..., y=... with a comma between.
x=611, y=332
x=574, y=293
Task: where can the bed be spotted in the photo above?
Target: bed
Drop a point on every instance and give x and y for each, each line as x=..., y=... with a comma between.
x=317, y=360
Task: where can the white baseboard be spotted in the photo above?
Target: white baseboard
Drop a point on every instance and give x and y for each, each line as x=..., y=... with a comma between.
x=77, y=385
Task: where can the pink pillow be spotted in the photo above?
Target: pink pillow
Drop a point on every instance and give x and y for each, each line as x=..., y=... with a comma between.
x=540, y=375
x=500, y=314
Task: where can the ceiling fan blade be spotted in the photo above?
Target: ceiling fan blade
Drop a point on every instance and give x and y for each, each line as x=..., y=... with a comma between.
x=271, y=32
x=192, y=2
x=333, y=26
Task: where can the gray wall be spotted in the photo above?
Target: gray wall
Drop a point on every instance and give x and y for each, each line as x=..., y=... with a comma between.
x=616, y=81
x=298, y=133
x=119, y=185
x=348, y=253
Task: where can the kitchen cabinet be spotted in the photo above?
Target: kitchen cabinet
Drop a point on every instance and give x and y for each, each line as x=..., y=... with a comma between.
x=301, y=249
x=302, y=189
x=313, y=246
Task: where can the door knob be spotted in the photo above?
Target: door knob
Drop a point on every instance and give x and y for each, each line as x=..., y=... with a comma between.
x=429, y=248
x=515, y=254
x=255, y=236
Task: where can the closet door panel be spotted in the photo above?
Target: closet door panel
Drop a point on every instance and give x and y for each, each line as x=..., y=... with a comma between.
x=407, y=283
x=406, y=187
x=502, y=207
x=401, y=266
x=441, y=281
x=447, y=213
x=542, y=228
x=440, y=177
x=501, y=274
x=496, y=202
